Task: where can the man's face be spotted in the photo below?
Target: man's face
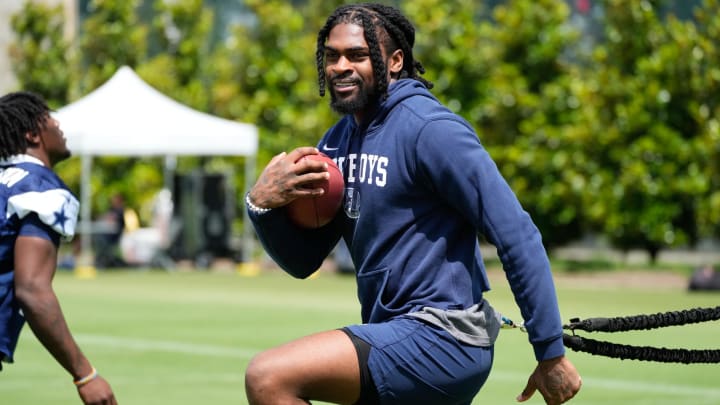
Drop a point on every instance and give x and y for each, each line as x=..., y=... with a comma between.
x=348, y=70
x=53, y=140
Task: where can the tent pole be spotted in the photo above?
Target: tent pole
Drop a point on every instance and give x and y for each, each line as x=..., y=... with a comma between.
x=86, y=259
x=169, y=172
x=248, y=252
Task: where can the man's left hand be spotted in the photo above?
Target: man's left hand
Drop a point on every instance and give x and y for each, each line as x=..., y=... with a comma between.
x=556, y=379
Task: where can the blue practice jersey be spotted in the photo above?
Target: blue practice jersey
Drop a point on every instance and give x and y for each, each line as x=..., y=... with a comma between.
x=36, y=203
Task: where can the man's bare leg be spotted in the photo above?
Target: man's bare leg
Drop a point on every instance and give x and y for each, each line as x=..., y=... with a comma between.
x=323, y=366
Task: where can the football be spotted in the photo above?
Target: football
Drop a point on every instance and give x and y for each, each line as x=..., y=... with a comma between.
x=314, y=212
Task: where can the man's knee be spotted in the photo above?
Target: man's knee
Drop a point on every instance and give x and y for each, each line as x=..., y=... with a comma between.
x=254, y=373
x=261, y=380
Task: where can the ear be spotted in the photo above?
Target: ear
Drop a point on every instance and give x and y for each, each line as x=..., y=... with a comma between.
x=32, y=139
x=395, y=63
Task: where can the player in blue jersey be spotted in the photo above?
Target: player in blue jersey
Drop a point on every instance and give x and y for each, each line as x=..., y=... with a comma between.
x=39, y=210
x=420, y=187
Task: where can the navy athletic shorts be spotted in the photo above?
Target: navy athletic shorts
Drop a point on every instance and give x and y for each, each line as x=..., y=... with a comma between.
x=412, y=362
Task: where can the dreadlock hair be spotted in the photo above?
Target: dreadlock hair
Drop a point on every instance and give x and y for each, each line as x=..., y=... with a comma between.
x=380, y=23
x=20, y=113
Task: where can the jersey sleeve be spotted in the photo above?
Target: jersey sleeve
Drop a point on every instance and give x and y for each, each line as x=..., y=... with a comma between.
x=299, y=252
x=56, y=208
x=32, y=226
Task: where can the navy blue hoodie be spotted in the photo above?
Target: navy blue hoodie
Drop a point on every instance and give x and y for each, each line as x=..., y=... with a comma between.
x=424, y=188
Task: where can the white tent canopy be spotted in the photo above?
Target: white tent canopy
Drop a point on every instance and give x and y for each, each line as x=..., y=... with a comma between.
x=127, y=117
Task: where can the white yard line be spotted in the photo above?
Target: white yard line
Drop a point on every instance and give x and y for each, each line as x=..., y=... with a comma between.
x=151, y=345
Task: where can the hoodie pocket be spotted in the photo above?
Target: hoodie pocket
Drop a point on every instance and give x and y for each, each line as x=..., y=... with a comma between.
x=370, y=288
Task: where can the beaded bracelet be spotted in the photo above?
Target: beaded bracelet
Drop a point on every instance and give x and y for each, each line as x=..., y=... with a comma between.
x=82, y=381
x=254, y=208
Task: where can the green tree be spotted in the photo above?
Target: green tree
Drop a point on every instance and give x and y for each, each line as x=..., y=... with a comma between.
x=528, y=113
x=181, y=67
x=644, y=101
x=112, y=36
x=705, y=110
x=39, y=52
x=267, y=75
x=504, y=71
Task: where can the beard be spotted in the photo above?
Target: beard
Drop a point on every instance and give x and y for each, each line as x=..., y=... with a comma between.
x=356, y=103
x=59, y=156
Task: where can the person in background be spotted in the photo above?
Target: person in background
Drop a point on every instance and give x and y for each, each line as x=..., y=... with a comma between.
x=39, y=211
x=108, y=240
x=420, y=187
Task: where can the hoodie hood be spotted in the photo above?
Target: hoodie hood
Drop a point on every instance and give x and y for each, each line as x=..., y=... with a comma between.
x=398, y=91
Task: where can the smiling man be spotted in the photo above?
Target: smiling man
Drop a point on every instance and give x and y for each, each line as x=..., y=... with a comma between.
x=39, y=211
x=419, y=189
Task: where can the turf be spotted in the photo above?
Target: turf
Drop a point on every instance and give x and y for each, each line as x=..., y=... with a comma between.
x=186, y=337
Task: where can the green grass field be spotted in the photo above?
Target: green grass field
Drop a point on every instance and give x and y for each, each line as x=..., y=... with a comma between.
x=186, y=337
